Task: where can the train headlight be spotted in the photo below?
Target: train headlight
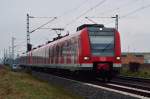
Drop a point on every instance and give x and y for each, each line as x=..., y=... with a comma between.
x=86, y=58
x=100, y=29
x=118, y=58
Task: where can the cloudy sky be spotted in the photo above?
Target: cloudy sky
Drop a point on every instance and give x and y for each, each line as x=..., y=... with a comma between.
x=134, y=21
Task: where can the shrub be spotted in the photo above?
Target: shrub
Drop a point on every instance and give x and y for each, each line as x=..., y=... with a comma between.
x=134, y=66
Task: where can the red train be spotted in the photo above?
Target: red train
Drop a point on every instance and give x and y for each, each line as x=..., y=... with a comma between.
x=93, y=48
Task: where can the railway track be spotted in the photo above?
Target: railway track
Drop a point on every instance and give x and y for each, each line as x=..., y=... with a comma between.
x=119, y=85
x=140, y=86
x=128, y=88
x=137, y=79
x=134, y=82
x=134, y=85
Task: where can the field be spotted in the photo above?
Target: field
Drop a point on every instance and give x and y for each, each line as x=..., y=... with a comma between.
x=143, y=71
x=15, y=85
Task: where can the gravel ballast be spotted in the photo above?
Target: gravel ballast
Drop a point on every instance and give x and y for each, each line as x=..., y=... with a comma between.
x=83, y=89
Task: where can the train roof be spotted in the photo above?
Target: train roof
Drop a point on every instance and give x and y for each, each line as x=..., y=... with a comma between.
x=55, y=41
x=89, y=25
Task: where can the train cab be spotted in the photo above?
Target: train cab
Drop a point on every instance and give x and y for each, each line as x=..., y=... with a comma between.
x=100, y=48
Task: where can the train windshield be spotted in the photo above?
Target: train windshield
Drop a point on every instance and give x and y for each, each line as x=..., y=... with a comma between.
x=102, y=41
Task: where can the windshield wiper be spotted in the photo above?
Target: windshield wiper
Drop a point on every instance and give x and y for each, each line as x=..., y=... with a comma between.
x=106, y=46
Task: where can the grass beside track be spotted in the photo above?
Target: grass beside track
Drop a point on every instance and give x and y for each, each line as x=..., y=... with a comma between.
x=15, y=85
x=144, y=73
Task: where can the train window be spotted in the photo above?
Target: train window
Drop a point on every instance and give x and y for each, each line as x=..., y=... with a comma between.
x=49, y=52
x=65, y=49
x=74, y=47
x=53, y=51
x=61, y=49
x=102, y=41
x=57, y=51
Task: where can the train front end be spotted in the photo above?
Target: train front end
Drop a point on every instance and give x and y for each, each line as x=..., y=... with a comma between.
x=101, y=49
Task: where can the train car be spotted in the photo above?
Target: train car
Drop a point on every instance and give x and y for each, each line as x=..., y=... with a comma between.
x=92, y=48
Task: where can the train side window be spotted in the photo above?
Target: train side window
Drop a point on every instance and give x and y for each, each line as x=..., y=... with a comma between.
x=49, y=52
x=57, y=51
x=64, y=49
x=53, y=53
x=73, y=48
x=61, y=49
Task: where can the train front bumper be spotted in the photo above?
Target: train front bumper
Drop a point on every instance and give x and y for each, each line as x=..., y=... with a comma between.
x=117, y=68
x=117, y=65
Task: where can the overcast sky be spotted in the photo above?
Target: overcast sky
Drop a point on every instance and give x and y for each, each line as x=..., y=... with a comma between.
x=134, y=21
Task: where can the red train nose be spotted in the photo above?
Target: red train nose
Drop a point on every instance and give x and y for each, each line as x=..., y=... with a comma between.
x=103, y=66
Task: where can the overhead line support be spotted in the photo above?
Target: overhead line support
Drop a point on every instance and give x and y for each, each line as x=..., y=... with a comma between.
x=28, y=33
x=29, y=46
x=116, y=21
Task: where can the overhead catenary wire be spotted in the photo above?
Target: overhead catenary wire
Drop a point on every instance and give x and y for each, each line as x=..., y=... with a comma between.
x=40, y=17
x=126, y=15
x=87, y=11
x=70, y=11
x=130, y=13
x=99, y=17
x=120, y=7
x=65, y=13
x=74, y=9
x=44, y=24
x=112, y=10
x=91, y=20
x=135, y=11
